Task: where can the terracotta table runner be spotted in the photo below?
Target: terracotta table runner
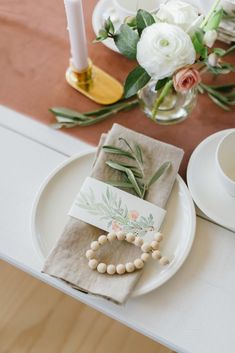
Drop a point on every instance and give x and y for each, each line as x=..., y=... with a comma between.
x=34, y=54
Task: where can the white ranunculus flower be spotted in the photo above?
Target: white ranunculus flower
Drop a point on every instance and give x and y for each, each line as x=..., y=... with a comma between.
x=163, y=49
x=179, y=13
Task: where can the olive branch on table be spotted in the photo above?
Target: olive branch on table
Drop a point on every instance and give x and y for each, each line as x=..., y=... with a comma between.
x=133, y=174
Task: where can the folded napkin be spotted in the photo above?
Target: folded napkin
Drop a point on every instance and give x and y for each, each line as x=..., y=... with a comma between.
x=67, y=260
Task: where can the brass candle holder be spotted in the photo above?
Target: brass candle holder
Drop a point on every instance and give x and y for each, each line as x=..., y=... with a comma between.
x=95, y=84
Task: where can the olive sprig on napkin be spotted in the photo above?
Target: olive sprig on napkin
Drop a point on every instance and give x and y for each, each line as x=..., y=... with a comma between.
x=133, y=174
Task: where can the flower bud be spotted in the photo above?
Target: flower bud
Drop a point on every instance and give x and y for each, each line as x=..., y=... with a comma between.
x=213, y=59
x=210, y=38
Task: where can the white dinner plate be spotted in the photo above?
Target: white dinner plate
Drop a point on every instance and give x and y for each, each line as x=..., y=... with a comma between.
x=205, y=185
x=58, y=192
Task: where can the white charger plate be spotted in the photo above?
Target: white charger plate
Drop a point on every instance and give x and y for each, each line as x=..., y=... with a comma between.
x=57, y=193
x=205, y=186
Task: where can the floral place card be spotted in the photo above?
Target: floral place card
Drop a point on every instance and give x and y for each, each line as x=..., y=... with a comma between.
x=112, y=209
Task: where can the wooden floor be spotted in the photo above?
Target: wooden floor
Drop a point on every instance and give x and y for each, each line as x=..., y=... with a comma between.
x=35, y=318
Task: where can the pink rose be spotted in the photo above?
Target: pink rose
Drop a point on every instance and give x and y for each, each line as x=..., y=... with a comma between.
x=186, y=79
x=133, y=215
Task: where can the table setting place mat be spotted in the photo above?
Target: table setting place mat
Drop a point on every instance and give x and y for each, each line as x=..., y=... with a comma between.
x=67, y=260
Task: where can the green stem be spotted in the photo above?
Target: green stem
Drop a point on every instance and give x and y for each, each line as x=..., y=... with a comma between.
x=123, y=106
x=230, y=50
x=210, y=13
x=160, y=99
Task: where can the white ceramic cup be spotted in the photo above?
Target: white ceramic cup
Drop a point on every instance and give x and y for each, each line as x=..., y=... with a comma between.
x=127, y=8
x=225, y=162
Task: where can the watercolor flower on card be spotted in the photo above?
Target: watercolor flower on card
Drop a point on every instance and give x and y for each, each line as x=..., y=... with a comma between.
x=111, y=209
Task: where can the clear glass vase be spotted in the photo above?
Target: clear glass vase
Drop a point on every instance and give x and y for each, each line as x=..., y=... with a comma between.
x=176, y=106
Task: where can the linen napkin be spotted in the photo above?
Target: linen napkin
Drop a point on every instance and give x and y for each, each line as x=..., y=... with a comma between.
x=67, y=260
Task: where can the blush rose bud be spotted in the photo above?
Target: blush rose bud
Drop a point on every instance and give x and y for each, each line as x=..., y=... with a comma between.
x=186, y=79
x=213, y=60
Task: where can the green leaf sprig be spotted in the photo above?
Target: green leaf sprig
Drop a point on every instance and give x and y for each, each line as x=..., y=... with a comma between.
x=67, y=118
x=223, y=96
x=134, y=177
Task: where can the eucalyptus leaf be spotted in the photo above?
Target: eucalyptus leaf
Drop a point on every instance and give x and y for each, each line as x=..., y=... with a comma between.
x=219, y=103
x=214, y=21
x=117, y=150
x=120, y=184
x=131, y=173
x=126, y=143
x=138, y=153
x=219, y=51
x=159, y=173
x=134, y=169
x=134, y=182
x=116, y=166
x=108, y=25
x=198, y=39
x=126, y=41
x=103, y=34
x=68, y=113
x=198, y=43
x=136, y=80
x=143, y=20
x=224, y=88
x=230, y=50
x=161, y=83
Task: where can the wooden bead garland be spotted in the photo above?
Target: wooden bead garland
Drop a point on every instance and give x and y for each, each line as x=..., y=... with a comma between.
x=129, y=267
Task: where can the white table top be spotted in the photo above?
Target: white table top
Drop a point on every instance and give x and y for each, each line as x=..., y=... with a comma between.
x=194, y=312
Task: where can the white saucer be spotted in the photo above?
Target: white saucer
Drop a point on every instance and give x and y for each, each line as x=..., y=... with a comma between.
x=58, y=192
x=205, y=186
x=102, y=11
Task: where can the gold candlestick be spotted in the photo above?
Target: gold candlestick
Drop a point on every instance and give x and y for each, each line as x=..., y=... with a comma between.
x=95, y=84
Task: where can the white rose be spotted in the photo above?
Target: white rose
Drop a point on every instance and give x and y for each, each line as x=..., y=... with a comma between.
x=179, y=13
x=229, y=6
x=163, y=49
x=210, y=38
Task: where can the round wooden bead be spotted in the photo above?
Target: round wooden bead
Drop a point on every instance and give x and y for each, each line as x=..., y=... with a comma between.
x=130, y=267
x=102, y=239
x=120, y=269
x=130, y=237
x=121, y=235
x=156, y=255
x=90, y=254
x=93, y=264
x=138, y=264
x=101, y=268
x=145, y=256
x=155, y=245
x=95, y=245
x=111, y=269
x=111, y=236
x=146, y=247
x=138, y=241
x=158, y=236
x=164, y=261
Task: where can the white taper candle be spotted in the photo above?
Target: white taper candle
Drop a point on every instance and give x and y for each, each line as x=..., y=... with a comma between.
x=77, y=33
